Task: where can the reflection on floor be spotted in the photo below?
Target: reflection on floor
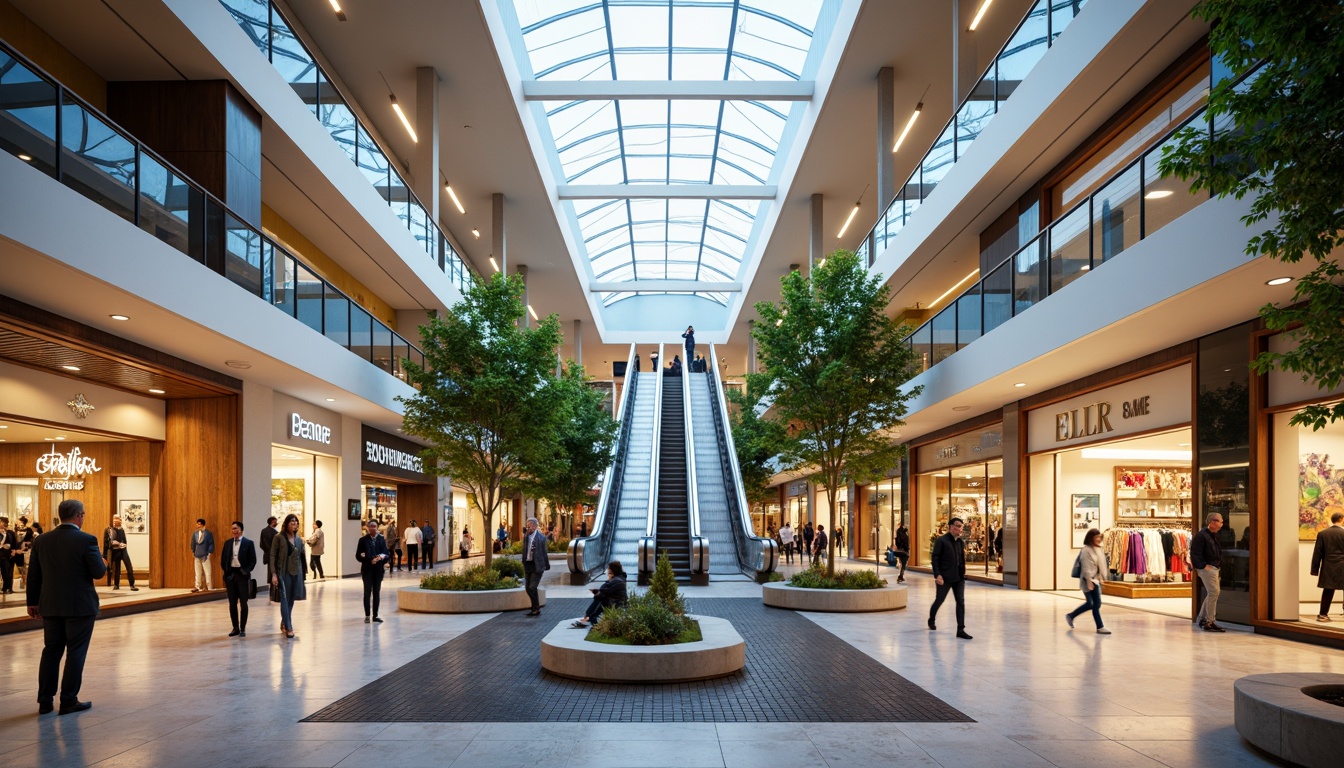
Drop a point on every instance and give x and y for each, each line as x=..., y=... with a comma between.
x=170, y=688
x=1167, y=606
x=15, y=606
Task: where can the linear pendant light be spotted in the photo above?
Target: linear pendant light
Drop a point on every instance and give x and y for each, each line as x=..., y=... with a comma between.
x=849, y=220
x=908, y=125
x=336, y=6
x=453, y=195
x=402, y=116
x=980, y=14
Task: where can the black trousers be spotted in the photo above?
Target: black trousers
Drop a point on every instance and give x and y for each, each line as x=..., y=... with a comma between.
x=427, y=555
x=1327, y=597
x=118, y=557
x=532, y=581
x=315, y=565
x=412, y=552
x=373, y=588
x=68, y=636
x=6, y=572
x=237, y=585
x=958, y=590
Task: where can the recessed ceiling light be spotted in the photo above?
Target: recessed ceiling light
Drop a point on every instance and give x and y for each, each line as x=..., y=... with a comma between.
x=60, y=437
x=156, y=391
x=476, y=232
x=1020, y=384
x=1182, y=445
x=961, y=407
x=1227, y=370
x=2, y=440
x=70, y=367
x=331, y=399
x=119, y=317
x=26, y=158
x=1279, y=281
x=4, y=426
x=241, y=365
x=49, y=439
x=1158, y=194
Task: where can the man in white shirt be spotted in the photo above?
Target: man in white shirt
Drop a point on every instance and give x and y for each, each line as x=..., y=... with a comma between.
x=411, y=538
x=786, y=541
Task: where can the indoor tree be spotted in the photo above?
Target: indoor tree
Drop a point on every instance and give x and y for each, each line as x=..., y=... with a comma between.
x=582, y=449
x=836, y=367
x=757, y=440
x=488, y=399
x=1283, y=146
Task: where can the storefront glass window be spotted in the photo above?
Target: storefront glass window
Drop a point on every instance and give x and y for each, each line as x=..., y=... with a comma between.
x=1308, y=489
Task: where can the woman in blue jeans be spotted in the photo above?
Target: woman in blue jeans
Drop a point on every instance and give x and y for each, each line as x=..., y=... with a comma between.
x=287, y=570
x=1091, y=572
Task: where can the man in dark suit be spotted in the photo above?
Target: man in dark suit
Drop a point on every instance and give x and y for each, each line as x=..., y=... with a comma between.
x=114, y=552
x=64, y=564
x=239, y=558
x=372, y=554
x=949, y=573
x=1327, y=563
x=267, y=536
x=535, y=563
x=428, y=538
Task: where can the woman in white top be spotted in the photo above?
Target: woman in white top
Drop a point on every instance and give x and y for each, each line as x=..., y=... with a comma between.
x=1091, y=572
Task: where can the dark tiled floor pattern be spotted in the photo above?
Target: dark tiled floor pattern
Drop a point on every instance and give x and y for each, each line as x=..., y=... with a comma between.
x=796, y=672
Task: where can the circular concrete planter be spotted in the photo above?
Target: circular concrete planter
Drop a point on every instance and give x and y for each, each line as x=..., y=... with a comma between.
x=780, y=595
x=1274, y=713
x=566, y=653
x=482, y=601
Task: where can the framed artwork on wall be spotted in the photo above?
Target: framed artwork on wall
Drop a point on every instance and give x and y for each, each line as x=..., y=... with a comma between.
x=134, y=515
x=353, y=509
x=1085, y=515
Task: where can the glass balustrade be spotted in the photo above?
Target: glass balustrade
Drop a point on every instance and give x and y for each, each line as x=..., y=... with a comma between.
x=267, y=28
x=106, y=165
x=1131, y=205
x=1018, y=57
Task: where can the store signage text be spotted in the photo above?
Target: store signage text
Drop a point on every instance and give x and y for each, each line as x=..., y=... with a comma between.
x=950, y=452
x=391, y=457
x=1095, y=419
x=308, y=430
x=1136, y=407
x=67, y=465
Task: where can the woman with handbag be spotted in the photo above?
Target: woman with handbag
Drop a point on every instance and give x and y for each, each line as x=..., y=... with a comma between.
x=287, y=572
x=1090, y=568
x=464, y=546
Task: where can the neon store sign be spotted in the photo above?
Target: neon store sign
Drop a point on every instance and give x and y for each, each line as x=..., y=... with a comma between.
x=61, y=470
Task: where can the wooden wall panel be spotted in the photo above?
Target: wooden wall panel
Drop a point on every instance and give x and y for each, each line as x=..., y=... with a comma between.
x=419, y=502
x=201, y=467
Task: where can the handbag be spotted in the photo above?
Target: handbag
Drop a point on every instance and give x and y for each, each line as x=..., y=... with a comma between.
x=1077, y=571
x=275, y=593
x=251, y=589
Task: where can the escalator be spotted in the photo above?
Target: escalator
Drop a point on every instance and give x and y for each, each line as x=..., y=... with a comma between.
x=672, y=527
x=713, y=478
x=623, y=506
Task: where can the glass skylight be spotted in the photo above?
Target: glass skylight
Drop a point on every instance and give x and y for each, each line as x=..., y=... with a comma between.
x=670, y=142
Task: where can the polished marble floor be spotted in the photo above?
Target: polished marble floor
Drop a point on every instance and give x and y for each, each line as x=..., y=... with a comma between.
x=170, y=688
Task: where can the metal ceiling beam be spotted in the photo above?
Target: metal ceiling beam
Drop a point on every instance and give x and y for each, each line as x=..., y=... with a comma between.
x=666, y=192
x=632, y=286
x=663, y=90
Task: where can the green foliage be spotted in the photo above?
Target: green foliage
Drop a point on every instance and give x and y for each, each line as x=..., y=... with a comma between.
x=755, y=439
x=1287, y=153
x=506, y=566
x=690, y=635
x=774, y=576
x=477, y=578
x=558, y=547
x=837, y=367
x=583, y=446
x=488, y=401
x=815, y=578
x=663, y=586
x=645, y=619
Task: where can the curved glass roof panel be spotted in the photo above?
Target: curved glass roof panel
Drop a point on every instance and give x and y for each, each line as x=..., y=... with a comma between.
x=678, y=141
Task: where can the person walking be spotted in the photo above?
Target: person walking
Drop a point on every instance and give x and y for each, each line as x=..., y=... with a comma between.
x=287, y=571
x=1206, y=557
x=317, y=544
x=9, y=545
x=839, y=540
x=949, y=573
x=24, y=534
x=239, y=557
x=393, y=536
x=689, y=336
x=267, y=536
x=611, y=593
x=1327, y=563
x=61, y=571
x=464, y=545
x=819, y=541
x=371, y=552
x=902, y=550
x=786, y=541
x=411, y=541
x=114, y=552
x=535, y=563
x=1091, y=568
x=501, y=538
x=428, y=537
x=808, y=535
x=202, y=547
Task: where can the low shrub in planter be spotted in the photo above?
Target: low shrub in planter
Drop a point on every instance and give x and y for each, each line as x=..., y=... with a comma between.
x=816, y=578
x=477, y=578
x=507, y=567
x=774, y=576
x=557, y=547
x=656, y=617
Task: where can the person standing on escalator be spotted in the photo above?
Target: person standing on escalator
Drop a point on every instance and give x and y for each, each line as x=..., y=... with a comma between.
x=689, y=336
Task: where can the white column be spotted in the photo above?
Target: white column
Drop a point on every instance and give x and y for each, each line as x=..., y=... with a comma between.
x=578, y=342
x=886, y=137
x=497, y=244
x=425, y=167
x=817, y=251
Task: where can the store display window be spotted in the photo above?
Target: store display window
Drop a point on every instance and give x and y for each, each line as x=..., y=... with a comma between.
x=972, y=493
x=1308, y=489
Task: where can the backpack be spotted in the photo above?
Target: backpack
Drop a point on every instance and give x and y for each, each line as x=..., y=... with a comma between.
x=1077, y=571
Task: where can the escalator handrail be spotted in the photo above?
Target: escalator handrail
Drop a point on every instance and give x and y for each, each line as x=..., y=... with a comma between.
x=698, y=545
x=610, y=494
x=650, y=525
x=756, y=554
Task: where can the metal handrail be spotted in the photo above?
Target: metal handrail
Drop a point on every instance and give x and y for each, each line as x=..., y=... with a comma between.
x=699, y=544
x=648, y=546
x=756, y=554
x=599, y=542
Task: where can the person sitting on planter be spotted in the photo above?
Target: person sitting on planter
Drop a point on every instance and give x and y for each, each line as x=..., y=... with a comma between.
x=611, y=593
